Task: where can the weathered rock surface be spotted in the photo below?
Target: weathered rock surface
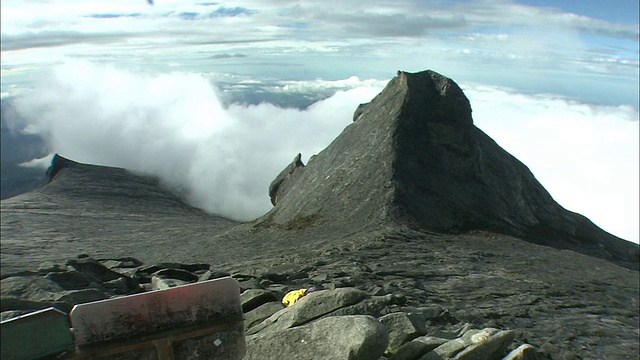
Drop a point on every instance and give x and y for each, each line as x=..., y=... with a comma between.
x=403, y=327
x=341, y=337
x=310, y=307
x=102, y=211
x=486, y=344
x=279, y=185
x=409, y=207
x=414, y=157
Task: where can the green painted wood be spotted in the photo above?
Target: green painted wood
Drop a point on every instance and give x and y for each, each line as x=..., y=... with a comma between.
x=35, y=335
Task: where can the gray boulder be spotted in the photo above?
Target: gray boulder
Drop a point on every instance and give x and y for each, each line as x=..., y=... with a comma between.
x=486, y=344
x=121, y=263
x=260, y=313
x=34, y=293
x=403, y=327
x=93, y=268
x=419, y=346
x=159, y=283
x=357, y=337
x=34, y=288
x=522, y=352
x=71, y=280
x=373, y=306
x=170, y=277
x=87, y=272
x=252, y=298
x=310, y=307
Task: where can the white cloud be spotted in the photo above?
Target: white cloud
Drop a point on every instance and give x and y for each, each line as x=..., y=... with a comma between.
x=41, y=163
x=173, y=126
x=585, y=155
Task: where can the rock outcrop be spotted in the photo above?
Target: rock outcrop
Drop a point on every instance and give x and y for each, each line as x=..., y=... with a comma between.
x=278, y=186
x=414, y=157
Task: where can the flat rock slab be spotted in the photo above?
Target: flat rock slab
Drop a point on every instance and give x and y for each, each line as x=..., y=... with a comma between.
x=356, y=337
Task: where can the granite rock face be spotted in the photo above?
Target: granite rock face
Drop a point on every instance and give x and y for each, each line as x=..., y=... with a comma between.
x=414, y=157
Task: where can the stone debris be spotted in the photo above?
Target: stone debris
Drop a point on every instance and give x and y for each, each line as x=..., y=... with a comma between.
x=342, y=323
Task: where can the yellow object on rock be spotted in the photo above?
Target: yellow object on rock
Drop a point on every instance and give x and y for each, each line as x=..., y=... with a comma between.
x=292, y=296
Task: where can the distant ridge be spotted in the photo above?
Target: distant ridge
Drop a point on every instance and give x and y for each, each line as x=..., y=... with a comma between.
x=110, y=186
x=414, y=157
x=104, y=211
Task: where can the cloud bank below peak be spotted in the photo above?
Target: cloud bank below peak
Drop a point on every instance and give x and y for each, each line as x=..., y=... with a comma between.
x=174, y=126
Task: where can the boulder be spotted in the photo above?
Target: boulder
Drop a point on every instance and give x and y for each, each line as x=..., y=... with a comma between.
x=72, y=280
x=93, y=268
x=253, y=298
x=255, y=316
x=144, y=274
x=356, y=337
x=34, y=288
x=373, y=306
x=486, y=344
x=522, y=352
x=171, y=277
x=211, y=274
x=310, y=307
x=417, y=347
x=35, y=293
x=50, y=266
x=121, y=263
x=403, y=327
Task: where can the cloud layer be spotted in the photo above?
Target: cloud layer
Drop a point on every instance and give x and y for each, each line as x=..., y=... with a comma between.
x=496, y=42
x=174, y=126
x=585, y=155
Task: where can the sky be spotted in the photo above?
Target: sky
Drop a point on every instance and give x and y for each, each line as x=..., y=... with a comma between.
x=147, y=87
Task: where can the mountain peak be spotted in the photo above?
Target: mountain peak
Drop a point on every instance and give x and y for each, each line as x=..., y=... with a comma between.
x=58, y=163
x=412, y=156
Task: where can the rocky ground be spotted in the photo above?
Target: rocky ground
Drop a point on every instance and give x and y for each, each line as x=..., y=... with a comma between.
x=579, y=308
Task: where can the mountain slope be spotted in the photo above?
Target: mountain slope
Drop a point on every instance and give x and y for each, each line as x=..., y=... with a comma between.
x=102, y=211
x=414, y=157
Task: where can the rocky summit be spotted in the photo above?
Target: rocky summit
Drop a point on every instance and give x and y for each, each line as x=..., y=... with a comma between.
x=421, y=232
x=414, y=157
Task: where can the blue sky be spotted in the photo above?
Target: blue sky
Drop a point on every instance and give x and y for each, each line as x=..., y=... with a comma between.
x=504, y=42
x=622, y=11
x=554, y=82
